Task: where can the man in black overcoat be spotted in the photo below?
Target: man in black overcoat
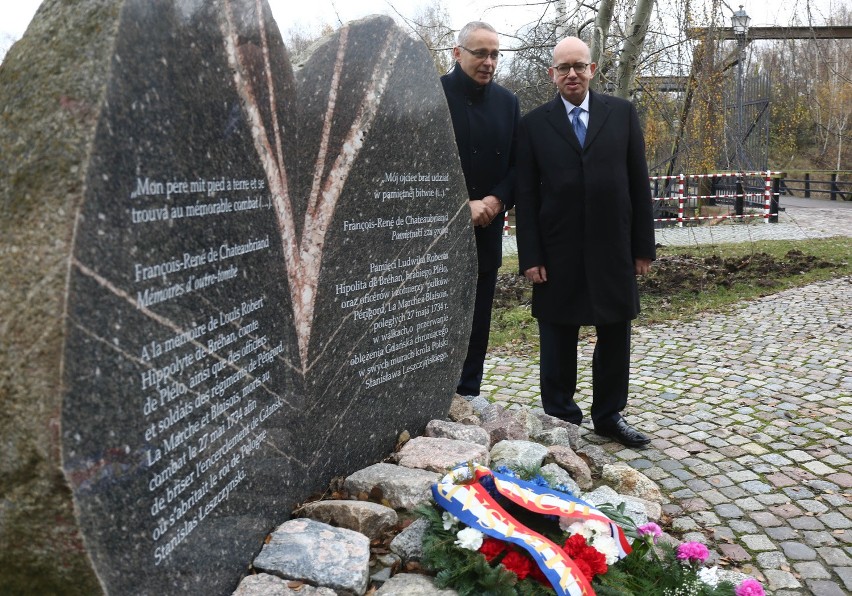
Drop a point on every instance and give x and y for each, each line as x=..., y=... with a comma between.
x=485, y=120
x=585, y=231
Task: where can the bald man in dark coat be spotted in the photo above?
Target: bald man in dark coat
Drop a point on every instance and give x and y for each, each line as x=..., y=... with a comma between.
x=585, y=230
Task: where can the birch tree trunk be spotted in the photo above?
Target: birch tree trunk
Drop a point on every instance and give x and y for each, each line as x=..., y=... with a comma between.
x=561, y=19
x=599, y=37
x=632, y=49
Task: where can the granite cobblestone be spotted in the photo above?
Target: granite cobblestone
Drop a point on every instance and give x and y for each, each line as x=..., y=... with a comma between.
x=750, y=413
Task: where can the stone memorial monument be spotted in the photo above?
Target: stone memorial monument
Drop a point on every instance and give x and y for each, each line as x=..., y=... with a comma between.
x=224, y=279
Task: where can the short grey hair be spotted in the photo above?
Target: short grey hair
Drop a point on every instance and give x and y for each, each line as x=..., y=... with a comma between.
x=472, y=26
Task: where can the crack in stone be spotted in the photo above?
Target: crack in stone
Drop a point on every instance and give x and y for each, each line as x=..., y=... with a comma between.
x=109, y=286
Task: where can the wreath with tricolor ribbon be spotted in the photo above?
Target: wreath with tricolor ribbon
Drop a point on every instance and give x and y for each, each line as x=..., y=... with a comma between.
x=462, y=494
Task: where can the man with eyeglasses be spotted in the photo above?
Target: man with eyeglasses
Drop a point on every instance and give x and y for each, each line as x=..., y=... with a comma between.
x=585, y=231
x=485, y=119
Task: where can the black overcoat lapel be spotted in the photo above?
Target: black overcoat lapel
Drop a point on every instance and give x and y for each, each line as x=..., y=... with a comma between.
x=558, y=118
x=598, y=113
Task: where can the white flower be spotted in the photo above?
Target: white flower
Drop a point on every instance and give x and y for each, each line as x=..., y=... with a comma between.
x=461, y=474
x=709, y=575
x=588, y=529
x=607, y=546
x=469, y=538
x=576, y=528
x=690, y=588
x=450, y=520
x=598, y=528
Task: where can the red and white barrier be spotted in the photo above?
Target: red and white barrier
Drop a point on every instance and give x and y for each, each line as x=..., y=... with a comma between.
x=682, y=197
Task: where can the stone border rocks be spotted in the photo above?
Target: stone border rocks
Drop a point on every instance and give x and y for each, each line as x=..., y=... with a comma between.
x=475, y=431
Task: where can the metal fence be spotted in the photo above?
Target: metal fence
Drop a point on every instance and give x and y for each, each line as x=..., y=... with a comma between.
x=749, y=195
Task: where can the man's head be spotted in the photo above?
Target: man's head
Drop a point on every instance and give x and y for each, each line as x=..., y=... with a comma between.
x=477, y=51
x=570, y=54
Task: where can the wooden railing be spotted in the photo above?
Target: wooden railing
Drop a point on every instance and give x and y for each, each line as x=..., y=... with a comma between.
x=819, y=182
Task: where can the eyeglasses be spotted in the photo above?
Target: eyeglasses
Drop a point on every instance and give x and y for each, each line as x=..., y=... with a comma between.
x=483, y=54
x=579, y=68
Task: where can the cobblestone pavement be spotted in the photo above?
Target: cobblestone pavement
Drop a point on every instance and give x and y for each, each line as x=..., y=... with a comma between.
x=751, y=414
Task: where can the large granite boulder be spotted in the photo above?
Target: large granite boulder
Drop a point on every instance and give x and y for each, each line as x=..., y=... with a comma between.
x=214, y=271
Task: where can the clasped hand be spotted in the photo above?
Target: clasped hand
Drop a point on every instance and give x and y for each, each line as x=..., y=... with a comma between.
x=483, y=211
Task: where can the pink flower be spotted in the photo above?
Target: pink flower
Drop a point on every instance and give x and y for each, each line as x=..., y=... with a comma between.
x=750, y=587
x=694, y=552
x=650, y=529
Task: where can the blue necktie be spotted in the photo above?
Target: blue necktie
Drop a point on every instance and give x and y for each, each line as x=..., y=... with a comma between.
x=579, y=127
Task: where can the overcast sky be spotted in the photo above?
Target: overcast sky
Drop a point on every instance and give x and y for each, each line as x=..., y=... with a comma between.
x=505, y=15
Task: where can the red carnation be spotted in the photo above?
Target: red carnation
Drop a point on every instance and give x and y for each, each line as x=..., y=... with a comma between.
x=491, y=548
x=595, y=559
x=584, y=569
x=575, y=545
x=538, y=575
x=517, y=563
x=590, y=560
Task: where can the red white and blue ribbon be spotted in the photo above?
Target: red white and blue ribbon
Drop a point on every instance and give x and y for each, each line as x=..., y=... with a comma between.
x=461, y=494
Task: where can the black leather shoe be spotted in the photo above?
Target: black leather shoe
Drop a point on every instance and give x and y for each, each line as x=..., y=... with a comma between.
x=624, y=434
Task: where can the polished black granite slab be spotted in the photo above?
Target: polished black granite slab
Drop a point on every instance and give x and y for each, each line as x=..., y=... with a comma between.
x=270, y=276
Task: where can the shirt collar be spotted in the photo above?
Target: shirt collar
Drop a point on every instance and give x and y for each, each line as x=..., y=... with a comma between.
x=570, y=106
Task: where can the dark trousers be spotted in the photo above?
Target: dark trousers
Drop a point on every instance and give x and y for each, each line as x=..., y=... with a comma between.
x=610, y=372
x=471, y=376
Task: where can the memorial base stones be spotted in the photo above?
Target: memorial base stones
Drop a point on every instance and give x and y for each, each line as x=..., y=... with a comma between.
x=223, y=283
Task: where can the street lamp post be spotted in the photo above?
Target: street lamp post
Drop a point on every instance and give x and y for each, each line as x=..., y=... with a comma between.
x=740, y=21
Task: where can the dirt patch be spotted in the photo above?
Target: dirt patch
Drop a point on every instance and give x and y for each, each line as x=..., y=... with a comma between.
x=512, y=290
x=686, y=273
x=673, y=274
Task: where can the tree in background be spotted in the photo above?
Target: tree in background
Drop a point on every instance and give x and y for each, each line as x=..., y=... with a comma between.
x=615, y=30
x=631, y=49
x=298, y=40
x=431, y=25
x=830, y=92
x=644, y=53
x=811, y=98
x=792, y=127
x=698, y=127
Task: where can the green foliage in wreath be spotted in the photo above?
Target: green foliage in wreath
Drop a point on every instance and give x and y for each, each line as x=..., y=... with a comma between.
x=655, y=571
x=649, y=570
x=467, y=571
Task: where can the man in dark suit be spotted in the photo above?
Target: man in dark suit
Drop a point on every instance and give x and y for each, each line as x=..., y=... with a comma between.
x=485, y=120
x=585, y=230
